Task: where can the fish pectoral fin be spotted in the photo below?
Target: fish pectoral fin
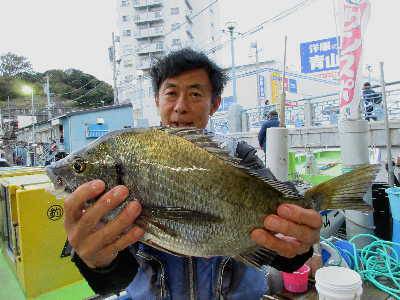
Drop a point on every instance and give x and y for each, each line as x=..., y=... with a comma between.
x=256, y=257
x=179, y=214
x=153, y=225
x=158, y=247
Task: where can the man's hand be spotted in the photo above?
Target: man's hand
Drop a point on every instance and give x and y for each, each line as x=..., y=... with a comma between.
x=98, y=244
x=299, y=226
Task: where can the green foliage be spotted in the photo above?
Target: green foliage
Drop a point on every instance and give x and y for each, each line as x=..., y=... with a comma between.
x=12, y=64
x=83, y=89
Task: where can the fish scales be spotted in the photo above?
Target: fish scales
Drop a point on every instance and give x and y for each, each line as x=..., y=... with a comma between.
x=196, y=201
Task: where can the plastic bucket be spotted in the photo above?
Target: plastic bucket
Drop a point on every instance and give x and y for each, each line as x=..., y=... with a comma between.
x=296, y=282
x=394, y=199
x=358, y=222
x=338, y=283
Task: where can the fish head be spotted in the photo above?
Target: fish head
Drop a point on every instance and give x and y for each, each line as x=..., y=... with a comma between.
x=92, y=162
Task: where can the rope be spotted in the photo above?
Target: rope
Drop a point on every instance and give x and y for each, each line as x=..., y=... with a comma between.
x=378, y=263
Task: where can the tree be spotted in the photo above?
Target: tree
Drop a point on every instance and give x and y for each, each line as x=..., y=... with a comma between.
x=12, y=64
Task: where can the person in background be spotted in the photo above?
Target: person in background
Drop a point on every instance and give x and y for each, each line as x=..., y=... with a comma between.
x=272, y=121
x=372, y=101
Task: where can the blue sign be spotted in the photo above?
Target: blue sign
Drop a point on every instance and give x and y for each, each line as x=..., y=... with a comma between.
x=319, y=56
x=226, y=103
x=292, y=86
x=261, y=87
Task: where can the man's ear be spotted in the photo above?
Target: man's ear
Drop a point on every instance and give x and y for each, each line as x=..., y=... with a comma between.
x=215, y=105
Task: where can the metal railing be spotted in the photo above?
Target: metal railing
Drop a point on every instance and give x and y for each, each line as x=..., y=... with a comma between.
x=324, y=110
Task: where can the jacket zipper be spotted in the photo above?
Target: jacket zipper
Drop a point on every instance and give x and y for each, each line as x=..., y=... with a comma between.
x=162, y=275
x=220, y=277
x=192, y=292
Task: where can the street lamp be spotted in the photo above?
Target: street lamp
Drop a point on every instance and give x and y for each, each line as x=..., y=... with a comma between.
x=231, y=27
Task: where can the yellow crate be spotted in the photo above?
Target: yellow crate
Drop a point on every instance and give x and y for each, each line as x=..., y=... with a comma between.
x=39, y=238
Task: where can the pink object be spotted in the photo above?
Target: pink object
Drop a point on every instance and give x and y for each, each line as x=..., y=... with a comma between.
x=296, y=282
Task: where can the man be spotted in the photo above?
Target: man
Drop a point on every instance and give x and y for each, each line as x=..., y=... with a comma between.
x=188, y=89
x=272, y=121
x=372, y=102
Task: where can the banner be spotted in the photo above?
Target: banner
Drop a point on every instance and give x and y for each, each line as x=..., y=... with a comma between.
x=355, y=15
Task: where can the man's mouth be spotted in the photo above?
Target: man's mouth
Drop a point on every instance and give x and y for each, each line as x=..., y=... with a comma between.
x=182, y=124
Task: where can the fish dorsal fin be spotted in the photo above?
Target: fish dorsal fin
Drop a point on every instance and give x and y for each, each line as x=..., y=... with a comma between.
x=205, y=140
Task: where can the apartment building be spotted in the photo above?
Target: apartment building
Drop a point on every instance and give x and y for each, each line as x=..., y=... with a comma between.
x=148, y=30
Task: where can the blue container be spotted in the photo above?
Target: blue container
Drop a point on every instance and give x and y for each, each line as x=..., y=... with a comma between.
x=394, y=199
x=346, y=249
x=396, y=235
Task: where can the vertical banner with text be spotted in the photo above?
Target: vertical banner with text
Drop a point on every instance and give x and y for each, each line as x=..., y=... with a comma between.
x=355, y=16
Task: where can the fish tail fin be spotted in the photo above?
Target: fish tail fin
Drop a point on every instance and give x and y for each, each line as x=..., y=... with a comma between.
x=345, y=191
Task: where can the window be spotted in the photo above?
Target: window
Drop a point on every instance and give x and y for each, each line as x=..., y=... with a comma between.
x=127, y=32
x=124, y=3
x=176, y=42
x=96, y=130
x=175, y=26
x=174, y=10
x=125, y=18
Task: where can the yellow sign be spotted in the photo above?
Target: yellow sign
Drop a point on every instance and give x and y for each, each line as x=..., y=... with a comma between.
x=276, y=87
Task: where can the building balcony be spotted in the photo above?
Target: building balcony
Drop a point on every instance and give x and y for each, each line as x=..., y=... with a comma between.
x=144, y=3
x=148, y=17
x=157, y=47
x=149, y=32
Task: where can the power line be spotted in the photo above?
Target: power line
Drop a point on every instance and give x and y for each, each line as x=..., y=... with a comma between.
x=87, y=93
x=76, y=89
x=283, y=14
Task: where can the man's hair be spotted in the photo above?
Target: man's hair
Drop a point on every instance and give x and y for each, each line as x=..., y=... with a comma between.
x=186, y=59
x=367, y=84
x=272, y=114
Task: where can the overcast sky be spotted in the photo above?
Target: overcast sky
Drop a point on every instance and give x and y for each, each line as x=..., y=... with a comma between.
x=57, y=34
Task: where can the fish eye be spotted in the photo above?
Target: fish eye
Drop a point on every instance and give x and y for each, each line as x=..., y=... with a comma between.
x=79, y=166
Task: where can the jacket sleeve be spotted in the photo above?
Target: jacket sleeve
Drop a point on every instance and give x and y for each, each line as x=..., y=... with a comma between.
x=249, y=159
x=112, y=279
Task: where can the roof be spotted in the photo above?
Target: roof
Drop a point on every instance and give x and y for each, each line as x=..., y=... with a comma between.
x=85, y=111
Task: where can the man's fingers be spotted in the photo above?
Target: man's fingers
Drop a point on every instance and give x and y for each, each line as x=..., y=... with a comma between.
x=110, y=252
x=74, y=203
x=113, y=229
x=302, y=233
x=106, y=203
x=299, y=215
x=284, y=247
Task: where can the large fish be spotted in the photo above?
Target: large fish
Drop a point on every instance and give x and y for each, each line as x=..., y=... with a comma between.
x=197, y=200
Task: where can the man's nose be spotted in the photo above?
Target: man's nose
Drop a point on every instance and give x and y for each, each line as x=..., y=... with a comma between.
x=181, y=104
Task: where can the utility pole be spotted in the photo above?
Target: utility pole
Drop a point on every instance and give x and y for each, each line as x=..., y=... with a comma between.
x=114, y=62
x=49, y=105
x=283, y=98
x=231, y=27
x=369, y=69
x=257, y=51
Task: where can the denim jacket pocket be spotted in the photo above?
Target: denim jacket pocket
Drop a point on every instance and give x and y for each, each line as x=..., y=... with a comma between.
x=154, y=268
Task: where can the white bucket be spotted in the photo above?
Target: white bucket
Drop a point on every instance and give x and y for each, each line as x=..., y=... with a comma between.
x=338, y=283
x=358, y=222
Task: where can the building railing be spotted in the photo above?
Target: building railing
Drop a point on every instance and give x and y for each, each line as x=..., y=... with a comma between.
x=148, y=32
x=142, y=3
x=314, y=111
x=150, y=48
x=147, y=17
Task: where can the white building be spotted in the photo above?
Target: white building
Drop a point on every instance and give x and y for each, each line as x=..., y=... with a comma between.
x=148, y=30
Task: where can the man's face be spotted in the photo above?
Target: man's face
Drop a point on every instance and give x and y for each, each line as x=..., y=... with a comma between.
x=185, y=100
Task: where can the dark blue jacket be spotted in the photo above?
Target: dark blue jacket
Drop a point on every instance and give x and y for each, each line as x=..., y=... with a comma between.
x=262, y=140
